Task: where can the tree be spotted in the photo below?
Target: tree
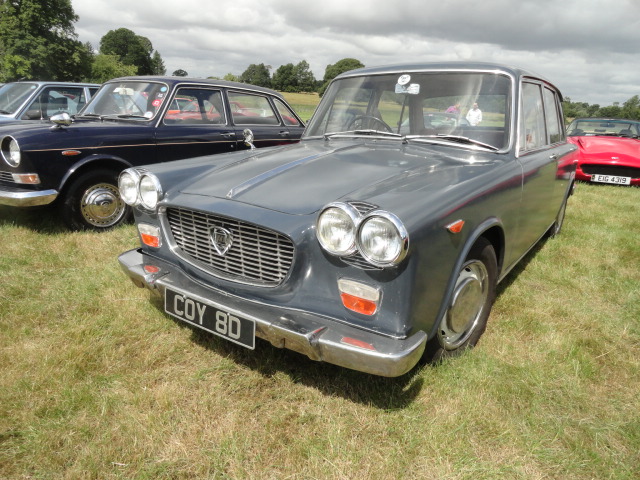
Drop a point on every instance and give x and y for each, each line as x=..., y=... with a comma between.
x=257, y=75
x=230, y=77
x=332, y=71
x=38, y=41
x=131, y=49
x=304, y=76
x=106, y=67
x=180, y=73
x=294, y=78
x=283, y=78
x=157, y=64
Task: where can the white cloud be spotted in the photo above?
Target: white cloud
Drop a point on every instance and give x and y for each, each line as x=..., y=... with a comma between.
x=587, y=48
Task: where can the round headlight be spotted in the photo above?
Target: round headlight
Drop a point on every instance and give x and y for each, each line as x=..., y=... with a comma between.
x=382, y=239
x=11, y=151
x=336, y=229
x=150, y=191
x=128, y=186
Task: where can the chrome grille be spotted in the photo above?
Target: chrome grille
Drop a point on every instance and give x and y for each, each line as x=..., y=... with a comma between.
x=257, y=255
x=6, y=177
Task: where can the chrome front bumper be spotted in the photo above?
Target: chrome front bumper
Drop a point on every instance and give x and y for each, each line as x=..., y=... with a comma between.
x=317, y=337
x=18, y=197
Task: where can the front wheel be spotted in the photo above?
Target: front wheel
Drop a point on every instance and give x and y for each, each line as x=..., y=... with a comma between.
x=466, y=318
x=92, y=202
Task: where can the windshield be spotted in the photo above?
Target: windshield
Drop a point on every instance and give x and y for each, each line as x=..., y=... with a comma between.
x=13, y=95
x=606, y=127
x=129, y=99
x=466, y=108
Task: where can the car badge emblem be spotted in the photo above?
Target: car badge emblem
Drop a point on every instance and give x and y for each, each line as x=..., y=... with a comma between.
x=221, y=239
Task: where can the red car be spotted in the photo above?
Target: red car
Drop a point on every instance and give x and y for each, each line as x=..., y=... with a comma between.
x=609, y=150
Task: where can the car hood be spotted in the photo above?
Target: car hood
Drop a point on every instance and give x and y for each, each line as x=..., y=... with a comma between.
x=303, y=178
x=609, y=149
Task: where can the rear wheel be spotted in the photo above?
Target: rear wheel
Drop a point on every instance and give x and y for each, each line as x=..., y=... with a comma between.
x=557, y=225
x=92, y=202
x=474, y=292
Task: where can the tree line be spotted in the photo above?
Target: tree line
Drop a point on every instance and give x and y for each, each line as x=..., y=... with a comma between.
x=629, y=109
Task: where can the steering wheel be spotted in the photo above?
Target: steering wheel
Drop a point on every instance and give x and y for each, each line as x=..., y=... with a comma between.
x=370, y=118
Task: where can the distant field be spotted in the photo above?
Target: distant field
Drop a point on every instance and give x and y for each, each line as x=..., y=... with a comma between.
x=303, y=103
x=98, y=383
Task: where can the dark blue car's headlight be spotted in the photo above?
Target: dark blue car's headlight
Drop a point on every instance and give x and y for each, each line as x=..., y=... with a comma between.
x=10, y=151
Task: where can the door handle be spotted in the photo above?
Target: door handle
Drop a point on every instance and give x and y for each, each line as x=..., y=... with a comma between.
x=284, y=133
x=228, y=134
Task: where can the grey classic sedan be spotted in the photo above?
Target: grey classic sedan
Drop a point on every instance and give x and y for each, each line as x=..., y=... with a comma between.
x=380, y=238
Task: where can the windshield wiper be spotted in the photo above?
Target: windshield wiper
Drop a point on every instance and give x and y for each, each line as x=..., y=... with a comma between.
x=453, y=138
x=4, y=112
x=368, y=132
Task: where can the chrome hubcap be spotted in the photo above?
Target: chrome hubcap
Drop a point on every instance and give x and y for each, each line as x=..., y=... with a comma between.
x=469, y=299
x=101, y=205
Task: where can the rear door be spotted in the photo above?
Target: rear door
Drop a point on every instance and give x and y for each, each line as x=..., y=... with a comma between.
x=270, y=119
x=539, y=160
x=195, y=123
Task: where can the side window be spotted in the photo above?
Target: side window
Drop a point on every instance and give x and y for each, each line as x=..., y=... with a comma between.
x=532, y=126
x=247, y=109
x=556, y=133
x=287, y=115
x=196, y=106
x=54, y=100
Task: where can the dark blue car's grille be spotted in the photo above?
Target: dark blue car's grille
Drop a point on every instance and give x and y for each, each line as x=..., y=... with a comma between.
x=257, y=256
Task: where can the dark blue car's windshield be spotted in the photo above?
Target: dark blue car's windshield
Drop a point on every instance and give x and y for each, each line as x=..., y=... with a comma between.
x=129, y=99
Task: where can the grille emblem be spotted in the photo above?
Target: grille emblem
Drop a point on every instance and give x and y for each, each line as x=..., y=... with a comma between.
x=221, y=239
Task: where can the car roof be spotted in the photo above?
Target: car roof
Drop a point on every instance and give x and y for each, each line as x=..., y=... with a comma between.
x=46, y=82
x=201, y=81
x=447, y=67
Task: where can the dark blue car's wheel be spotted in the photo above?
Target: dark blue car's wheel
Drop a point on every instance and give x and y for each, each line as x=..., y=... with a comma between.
x=92, y=202
x=469, y=306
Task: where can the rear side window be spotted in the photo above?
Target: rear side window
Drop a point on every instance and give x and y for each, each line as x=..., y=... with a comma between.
x=532, y=122
x=247, y=109
x=196, y=106
x=553, y=117
x=287, y=115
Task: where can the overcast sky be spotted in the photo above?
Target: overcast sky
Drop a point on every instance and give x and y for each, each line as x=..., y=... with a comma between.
x=588, y=48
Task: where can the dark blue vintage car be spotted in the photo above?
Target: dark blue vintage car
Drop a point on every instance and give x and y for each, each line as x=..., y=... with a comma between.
x=378, y=239
x=133, y=121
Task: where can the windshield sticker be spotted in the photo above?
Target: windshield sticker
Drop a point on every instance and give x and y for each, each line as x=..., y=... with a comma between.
x=404, y=79
x=412, y=89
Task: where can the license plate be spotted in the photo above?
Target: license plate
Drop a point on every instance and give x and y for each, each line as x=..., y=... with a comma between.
x=211, y=318
x=611, y=179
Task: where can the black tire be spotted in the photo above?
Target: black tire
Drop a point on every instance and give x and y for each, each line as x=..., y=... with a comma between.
x=556, y=228
x=469, y=306
x=92, y=202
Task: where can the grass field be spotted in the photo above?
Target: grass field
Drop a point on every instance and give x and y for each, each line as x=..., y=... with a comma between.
x=98, y=383
x=303, y=103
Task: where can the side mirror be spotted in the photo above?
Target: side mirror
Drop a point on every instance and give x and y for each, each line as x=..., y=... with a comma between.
x=32, y=115
x=248, y=138
x=61, y=120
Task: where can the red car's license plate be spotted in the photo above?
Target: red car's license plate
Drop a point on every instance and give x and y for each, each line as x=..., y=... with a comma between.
x=211, y=318
x=611, y=179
